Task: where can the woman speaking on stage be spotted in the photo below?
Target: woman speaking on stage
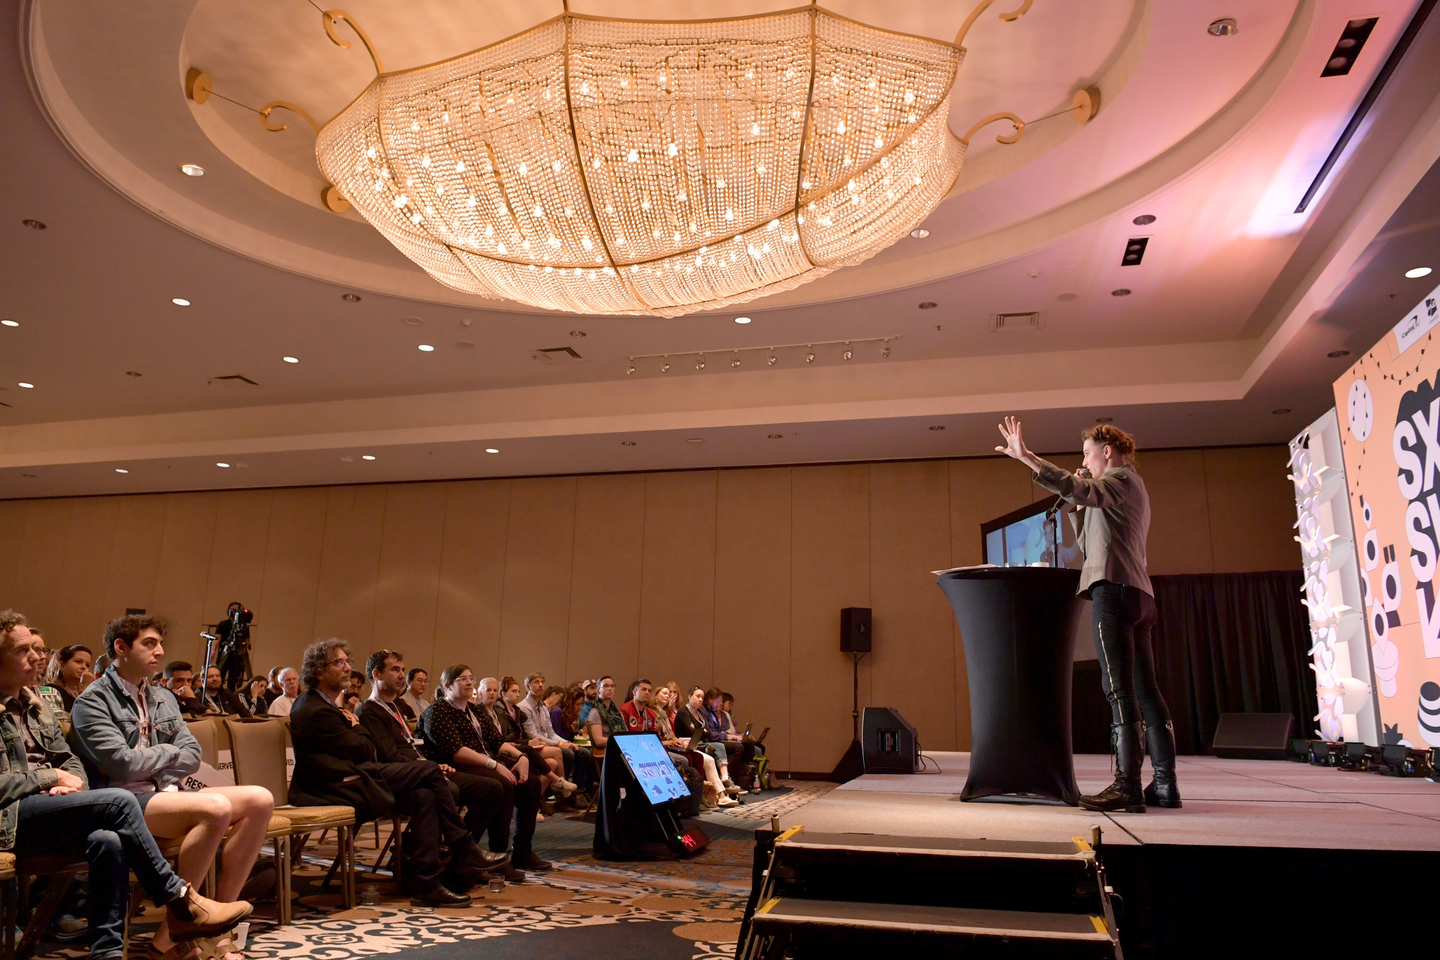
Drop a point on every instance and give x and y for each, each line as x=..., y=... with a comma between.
x=1111, y=517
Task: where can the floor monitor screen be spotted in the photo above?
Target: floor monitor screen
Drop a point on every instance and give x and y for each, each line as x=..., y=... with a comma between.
x=646, y=757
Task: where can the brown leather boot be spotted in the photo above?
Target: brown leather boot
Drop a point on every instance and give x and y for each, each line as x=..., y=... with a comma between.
x=193, y=916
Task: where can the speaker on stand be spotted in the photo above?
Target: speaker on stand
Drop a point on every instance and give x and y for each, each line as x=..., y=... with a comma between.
x=855, y=637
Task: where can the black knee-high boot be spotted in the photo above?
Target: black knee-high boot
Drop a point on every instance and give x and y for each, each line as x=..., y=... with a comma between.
x=1163, y=791
x=1125, y=793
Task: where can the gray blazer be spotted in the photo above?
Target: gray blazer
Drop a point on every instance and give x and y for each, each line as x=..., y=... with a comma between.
x=1111, y=521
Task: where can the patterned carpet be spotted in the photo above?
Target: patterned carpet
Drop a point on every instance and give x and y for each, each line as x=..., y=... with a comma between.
x=683, y=909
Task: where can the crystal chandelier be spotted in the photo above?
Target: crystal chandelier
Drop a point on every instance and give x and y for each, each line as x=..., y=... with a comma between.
x=608, y=166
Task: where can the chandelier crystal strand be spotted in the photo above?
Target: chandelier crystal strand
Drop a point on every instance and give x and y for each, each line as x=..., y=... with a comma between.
x=606, y=166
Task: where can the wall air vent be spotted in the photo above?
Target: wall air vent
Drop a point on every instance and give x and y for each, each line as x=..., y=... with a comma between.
x=232, y=380
x=557, y=355
x=1348, y=47
x=1016, y=321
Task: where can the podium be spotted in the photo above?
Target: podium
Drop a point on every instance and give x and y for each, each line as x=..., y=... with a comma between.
x=1018, y=625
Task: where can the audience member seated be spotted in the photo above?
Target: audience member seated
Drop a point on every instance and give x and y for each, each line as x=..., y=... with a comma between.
x=576, y=762
x=252, y=695
x=355, y=693
x=275, y=689
x=714, y=790
x=640, y=718
x=566, y=717
x=512, y=695
x=461, y=734
x=335, y=763
x=281, y=706
x=131, y=735
x=179, y=679
x=69, y=672
x=740, y=750
x=218, y=700
x=47, y=808
x=413, y=703
x=691, y=724
x=591, y=688
x=498, y=699
x=480, y=797
x=599, y=716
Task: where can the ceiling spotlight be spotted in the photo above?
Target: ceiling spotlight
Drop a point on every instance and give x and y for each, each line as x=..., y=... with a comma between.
x=919, y=233
x=27, y=386
x=1144, y=220
x=1337, y=354
x=426, y=348
x=700, y=364
x=775, y=436
x=627, y=443
x=412, y=321
x=192, y=169
x=742, y=319
x=1226, y=27
x=848, y=353
x=367, y=456
x=928, y=305
x=577, y=334
x=1104, y=419
x=133, y=373
x=1417, y=273
x=1280, y=411
x=735, y=360
x=291, y=359
x=491, y=450
x=350, y=297
x=885, y=354
x=665, y=367
x=629, y=369
x=772, y=360
x=33, y=224
x=10, y=323
x=695, y=440
x=221, y=464
x=810, y=356
x=121, y=470
x=1122, y=292
x=938, y=426
x=180, y=301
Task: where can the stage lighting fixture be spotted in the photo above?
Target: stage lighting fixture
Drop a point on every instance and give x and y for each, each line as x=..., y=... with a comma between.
x=1360, y=756
x=1299, y=750
x=1435, y=764
x=1325, y=754
x=1399, y=760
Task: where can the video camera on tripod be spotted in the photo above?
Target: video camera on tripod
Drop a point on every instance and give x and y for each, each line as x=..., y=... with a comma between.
x=234, y=632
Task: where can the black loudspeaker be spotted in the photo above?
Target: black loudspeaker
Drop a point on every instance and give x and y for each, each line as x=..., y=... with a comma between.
x=1252, y=736
x=888, y=742
x=855, y=630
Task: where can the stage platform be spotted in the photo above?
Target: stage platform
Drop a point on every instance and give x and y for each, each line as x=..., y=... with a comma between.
x=1264, y=855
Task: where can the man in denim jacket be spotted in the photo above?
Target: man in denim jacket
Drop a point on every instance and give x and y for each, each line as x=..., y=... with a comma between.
x=47, y=808
x=130, y=734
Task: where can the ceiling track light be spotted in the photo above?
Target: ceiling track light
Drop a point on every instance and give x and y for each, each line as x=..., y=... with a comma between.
x=848, y=353
x=771, y=353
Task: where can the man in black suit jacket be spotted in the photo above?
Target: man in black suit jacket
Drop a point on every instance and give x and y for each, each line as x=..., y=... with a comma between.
x=335, y=763
x=482, y=799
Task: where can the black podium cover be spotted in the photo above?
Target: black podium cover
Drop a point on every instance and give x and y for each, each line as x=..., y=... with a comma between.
x=1018, y=625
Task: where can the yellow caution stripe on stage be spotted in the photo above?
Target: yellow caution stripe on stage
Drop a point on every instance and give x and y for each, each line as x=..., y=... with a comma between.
x=1081, y=843
x=789, y=833
x=774, y=900
x=1098, y=921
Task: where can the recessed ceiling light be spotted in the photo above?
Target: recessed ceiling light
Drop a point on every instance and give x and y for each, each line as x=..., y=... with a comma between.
x=775, y=436
x=411, y=321
x=192, y=169
x=133, y=373
x=180, y=301
x=350, y=297
x=742, y=319
x=1225, y=27
x=577, y=334
x=919, y=233
x=1144, y=220
x=695, y=440
x=1104, y=419
x=33, y=224
x=27, y=386
x=1417, y=273
x=219, y=463
x=121, y=470
x=367, y=456
x=627, y=443
x=1122, y=292
x=291, y=359
x=1280, y=411
x=465, y=344
x=10, y=323
x=938, y=426
x=426, y=348
x=491, y=450
x=28, y=476
x=1337, y=354
x=928, y=305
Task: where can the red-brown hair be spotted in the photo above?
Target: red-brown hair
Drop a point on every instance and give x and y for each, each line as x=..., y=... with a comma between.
x=1121, y=443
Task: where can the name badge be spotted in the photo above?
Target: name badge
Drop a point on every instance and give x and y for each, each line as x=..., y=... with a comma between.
x=417, y=741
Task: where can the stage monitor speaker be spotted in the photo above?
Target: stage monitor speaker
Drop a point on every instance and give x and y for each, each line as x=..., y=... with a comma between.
x=1252, y=736
x=855, y=630
x=888, y=743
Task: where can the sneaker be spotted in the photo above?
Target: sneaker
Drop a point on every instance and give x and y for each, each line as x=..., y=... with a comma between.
x=70, y=928
x=731, y=788
x=193, y=916
x=565, y=786
x=728, y=802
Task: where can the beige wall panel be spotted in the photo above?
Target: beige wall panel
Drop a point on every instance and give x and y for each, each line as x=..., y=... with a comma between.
x=914, y=633
x=1179, y=512
x=350, y=564
x=677, y=599
x=472, y=577
x=40, y=589
x=829, y=570
x=237, y=558
x=535, y=619
x=605, y=578
x=12, y=525
x=285, y=607
x=981, y=490
x=411, y=545
x=89, y=539
x=1252, y=509
x=184, y=570
x=134, y=560
x=752, y=601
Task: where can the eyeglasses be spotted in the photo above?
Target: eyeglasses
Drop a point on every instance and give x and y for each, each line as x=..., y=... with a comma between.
x=332, y=663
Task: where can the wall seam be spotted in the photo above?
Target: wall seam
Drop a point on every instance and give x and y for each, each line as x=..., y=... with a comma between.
x=439, y=576
x=1209, y=509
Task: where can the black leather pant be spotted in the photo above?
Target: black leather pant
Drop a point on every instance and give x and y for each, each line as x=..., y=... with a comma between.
x=1124, y=622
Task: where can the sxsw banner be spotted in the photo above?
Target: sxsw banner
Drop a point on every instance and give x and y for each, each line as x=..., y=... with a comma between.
x=1390, y=402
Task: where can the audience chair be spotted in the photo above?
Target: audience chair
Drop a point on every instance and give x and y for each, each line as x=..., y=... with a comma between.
x=9, y=904
x=61, y=871
x=258, y=750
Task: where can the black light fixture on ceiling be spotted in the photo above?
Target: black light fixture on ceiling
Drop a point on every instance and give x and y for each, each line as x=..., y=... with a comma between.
x=350, y=297
x=1348, y=47
x=33, y=224
x=1337, y=354
x=1134, y=251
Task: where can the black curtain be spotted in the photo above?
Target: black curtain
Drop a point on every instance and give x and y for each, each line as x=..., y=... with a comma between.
x=1232, y=643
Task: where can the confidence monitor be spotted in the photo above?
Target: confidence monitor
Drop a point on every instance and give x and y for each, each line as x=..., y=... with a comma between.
x=640, y=790
x=1027, y=537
